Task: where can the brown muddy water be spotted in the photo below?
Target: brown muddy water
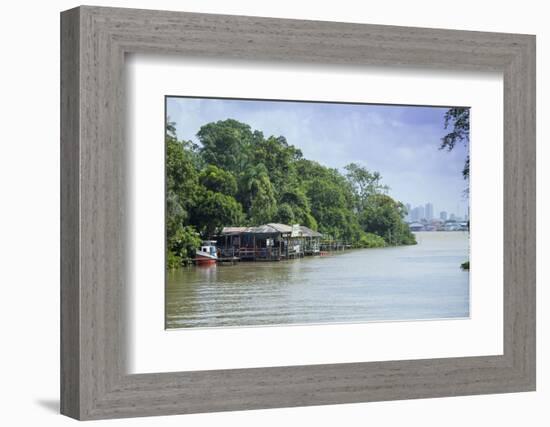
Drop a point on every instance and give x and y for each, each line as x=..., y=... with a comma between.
x=398, y=283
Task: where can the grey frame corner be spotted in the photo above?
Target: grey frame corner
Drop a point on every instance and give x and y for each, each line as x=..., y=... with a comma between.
x=94, y=382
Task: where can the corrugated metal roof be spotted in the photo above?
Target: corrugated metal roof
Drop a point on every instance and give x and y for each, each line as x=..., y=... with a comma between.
x=308, y=232
x=264, y=229
x=282, y=228
x=234, y=230
x=271, y=228
x=260, y=229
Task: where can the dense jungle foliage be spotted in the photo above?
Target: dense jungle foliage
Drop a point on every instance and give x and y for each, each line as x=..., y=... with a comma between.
x=238, y=177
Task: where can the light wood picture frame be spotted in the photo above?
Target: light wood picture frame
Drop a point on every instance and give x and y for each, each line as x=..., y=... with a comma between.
x=94, y=379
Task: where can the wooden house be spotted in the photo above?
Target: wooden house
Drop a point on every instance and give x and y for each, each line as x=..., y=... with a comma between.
x=269, y=242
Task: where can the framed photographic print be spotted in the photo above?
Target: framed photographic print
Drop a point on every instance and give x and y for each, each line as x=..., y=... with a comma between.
x=262, y=213
x=354, y=253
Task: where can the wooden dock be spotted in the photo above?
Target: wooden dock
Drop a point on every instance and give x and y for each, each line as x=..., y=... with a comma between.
x=272, y=242
x=228, y=260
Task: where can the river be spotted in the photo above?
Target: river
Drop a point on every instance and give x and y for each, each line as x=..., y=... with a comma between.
x=423, y=281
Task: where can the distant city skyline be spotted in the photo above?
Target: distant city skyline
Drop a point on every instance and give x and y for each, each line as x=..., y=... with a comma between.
x=400, y=142
x=428, y=212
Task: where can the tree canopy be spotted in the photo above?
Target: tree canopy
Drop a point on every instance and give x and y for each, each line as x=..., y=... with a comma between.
x=236, y=176
x=458, y=119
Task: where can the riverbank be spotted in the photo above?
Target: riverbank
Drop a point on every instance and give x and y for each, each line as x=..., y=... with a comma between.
x=232, y=257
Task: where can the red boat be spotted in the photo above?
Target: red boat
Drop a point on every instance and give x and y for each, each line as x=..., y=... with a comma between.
x=207, y=253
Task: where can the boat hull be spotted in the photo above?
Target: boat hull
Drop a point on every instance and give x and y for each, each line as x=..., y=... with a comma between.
x=205, y=261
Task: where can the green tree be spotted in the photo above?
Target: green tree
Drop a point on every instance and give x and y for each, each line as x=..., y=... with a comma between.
x=181, y=189
x=238, y=177
x=277, y=156
x=383, y=216
x=215, y=179
x=370, y=240
x=378, y=213
x=181, y=245
x=297, y=201
x=257, y=195
x=331, y=200
x=364, y=183
x=216, y=210
x=181, y=173
x=226, y=144
x=285, y=214
x=458, y=118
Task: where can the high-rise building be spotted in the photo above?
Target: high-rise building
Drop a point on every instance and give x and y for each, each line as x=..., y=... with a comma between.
x=453, y=217
x=421, y=213
x=429, y=211
x=443, y=215
x=416, y=214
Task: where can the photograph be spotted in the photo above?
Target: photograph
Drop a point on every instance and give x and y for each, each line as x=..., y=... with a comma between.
x=261, y=214
x=282, y=212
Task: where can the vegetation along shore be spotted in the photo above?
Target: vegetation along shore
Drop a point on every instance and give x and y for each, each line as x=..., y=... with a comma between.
x=237, y=177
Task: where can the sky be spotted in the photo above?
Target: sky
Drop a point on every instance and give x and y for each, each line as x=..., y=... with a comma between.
x=400, y=142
